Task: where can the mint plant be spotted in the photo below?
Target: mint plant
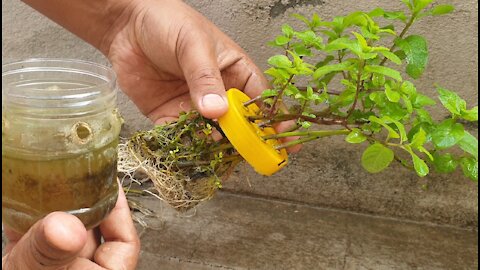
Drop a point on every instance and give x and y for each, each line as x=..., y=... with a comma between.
x=332, y=78
x=352, y=86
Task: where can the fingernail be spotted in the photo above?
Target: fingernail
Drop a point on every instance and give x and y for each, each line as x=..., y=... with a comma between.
x=213, y=101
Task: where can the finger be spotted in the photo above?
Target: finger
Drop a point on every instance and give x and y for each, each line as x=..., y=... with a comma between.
x=93, y=241
x=12, y=238
x=84, y=264
x=122, y=245
x=52, y=243
x=284, y=126
x=246, y=76
x=198, y=61
x=165, y=120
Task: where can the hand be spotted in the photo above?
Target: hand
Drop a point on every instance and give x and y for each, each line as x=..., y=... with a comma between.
x=60, y=241
x=169, y=58
x=168, y=55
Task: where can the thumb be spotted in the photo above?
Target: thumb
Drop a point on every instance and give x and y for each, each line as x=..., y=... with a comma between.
x=52, y=243
x=198, y=61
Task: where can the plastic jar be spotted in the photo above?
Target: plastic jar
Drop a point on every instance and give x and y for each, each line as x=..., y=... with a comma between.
x=60, y=130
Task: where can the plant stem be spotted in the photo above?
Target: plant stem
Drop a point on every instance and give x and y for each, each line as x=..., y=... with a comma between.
x=358, y=89
x=313, y=133
x=340, y=59
x=404, y=31
x=316, y=135
x=316, y=120
x=251, y=101
x=331, y=92
x=277, y=97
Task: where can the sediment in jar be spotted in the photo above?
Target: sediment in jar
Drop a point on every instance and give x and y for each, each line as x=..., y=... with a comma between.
x=82, y=184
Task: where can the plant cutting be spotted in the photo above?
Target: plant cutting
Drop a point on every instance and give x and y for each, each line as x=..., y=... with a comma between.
x=353, y=76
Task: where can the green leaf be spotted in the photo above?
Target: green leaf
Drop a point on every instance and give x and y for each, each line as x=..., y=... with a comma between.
x=394, y=110
x=310, y=39
x=416, y=51
x=419, y=139
x=408, y=88
x=422, y=101
x=325, y=61
x=356, y=136
x=301, y=18
x=391, y=132
x=305, y=124
x=287, y=30
x=387, y=30
x=442, y=9
x=342, y=44
x=301, y=50
x=376, y=12
x=470, y=167
x=426, y=152
x=280, y=61
x=269, y=93
x=469, y=144
x=408, y=104
x=291, y=90
x=447, y=134
x=316, y=21
x=470, y=115
x=451, y=101
x=392, y=95
x=423, y=116
x=408, y=3
x=444, y=163
x=279, y=75
x=378, y=98
x=322, y=71
x=378, y=80
x=427, y=127
x=419, y=164
x=281, y=40
x=419, y=5
x=361, y=40
x=392, y=57
x=456, y=105
x=355, y=18
x=384, y=71
x=394, y=15
x=376, y=158
x=400, y=127
x=390, y=15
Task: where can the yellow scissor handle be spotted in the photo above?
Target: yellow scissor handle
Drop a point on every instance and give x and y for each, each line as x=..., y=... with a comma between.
x=246, y=136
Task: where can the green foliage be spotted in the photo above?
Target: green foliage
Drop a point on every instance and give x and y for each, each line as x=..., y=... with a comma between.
x=374, y=103
x=377, y=157
x=415, y=49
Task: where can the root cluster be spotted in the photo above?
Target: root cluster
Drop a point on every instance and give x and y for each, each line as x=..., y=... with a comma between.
x=182, y=161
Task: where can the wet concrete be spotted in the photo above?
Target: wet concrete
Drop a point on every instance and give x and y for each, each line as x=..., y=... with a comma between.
x=242, y=232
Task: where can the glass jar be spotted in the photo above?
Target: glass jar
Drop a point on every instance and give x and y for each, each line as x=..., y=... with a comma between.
x=60, y=130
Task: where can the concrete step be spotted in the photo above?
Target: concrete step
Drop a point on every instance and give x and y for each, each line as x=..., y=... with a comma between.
x=328, y=173
x=243, y=232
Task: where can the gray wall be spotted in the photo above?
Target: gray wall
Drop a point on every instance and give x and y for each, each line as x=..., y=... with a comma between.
x=338, y=181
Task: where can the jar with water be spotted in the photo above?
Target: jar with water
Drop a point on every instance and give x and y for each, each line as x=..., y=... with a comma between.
x=60, y=130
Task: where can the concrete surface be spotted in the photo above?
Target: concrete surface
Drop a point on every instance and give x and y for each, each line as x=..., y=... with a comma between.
x=241, y=232
x=338, y=181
